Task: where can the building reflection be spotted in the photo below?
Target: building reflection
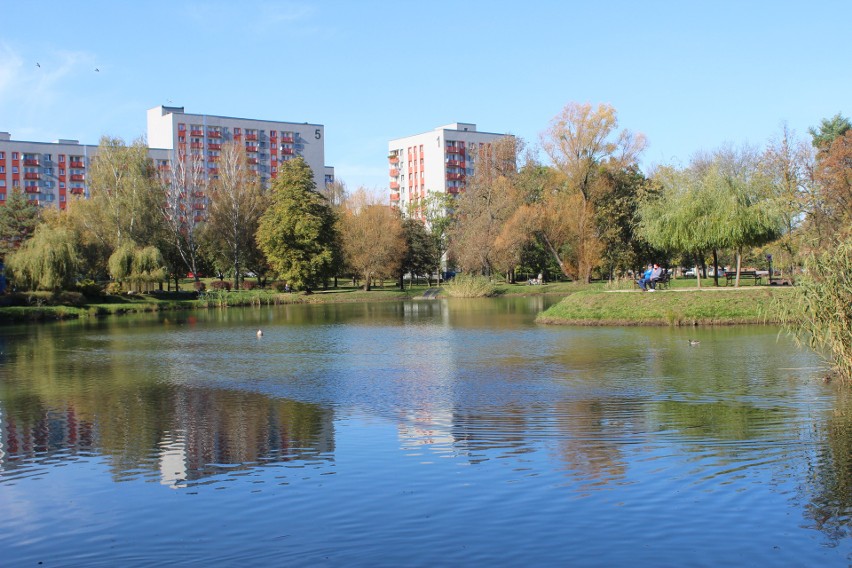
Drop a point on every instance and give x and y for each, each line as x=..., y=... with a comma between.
x=189, y=435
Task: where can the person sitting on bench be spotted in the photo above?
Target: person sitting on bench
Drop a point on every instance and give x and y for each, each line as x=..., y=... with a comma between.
x=646, y=278
x=656, y=274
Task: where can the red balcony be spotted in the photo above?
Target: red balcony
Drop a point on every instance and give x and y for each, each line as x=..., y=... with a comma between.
x=31, y=189
x=77, y=164
x=198, y=206
x=198, y=194
x=197, y=145
x=453, y=190
x=77, y=191
x=213, y=171
x=77, y=177
x=455, y=163
x=394, y=185
x=198, y=219
x=31, y=175
x=164, y=168
x=455, y=177
x=214, y=134
x=455, y=150
x=252, y=161
x=31, y=162
x=393, y=159
x=394, y=197
x=214, y=146
x=394, y=172
x=252, y=149
x=251, y=136
x=287, y=140
x=287, y=151
x=196, y=133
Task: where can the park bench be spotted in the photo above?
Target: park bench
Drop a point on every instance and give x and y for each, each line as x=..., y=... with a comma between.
x=744, y=275
x=662, y=281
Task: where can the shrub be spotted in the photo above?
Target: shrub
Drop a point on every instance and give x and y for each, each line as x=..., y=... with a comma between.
x=469, y=286
x=221, y=285
x=90, y=289
x=248, y=285
x=200, y=286
x=113, y=288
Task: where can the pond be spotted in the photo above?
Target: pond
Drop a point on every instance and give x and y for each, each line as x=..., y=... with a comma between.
x=418, y=433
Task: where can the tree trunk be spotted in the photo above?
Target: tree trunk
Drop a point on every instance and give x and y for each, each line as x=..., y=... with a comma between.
x=715, y=268
x=739, y=265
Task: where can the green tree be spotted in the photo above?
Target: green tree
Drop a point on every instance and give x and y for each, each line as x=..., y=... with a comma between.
x=421, y=256
x=18, y=220
x=829, y=129
x=297, y=232
x=48, y=261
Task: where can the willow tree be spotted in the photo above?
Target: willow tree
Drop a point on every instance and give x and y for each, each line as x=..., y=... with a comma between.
x=141, y=267
x=297, y=232
x=236, y=205
x=48, y=261
x=579, y=142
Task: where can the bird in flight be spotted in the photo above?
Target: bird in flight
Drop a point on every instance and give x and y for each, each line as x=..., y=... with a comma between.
x=38, y=64
x=97, y=70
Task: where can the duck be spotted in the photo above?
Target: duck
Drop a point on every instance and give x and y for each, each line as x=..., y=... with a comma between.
x=260, y=333
x=694, y=342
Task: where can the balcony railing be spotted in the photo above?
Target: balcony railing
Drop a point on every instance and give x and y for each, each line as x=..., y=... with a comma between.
x=287, y=151
x=455, y=163
x=198, y=194
x=213, y=171
x=455, y=150
x=77, y=177
x=394, y=185
x=286, y=140
x=214, y=134
x=394, y=197
x=251, y=148
x=198, y=206
x=31, y=162
x=251, y=136
x=77, y=191
x=76, y=164
x=31, y=175
x=197, y=145
x=31, y=189
x=393, y=159
x=196, y=133
x=214, y=146
x=455, y=177
x=394, y=172
x=252, y=161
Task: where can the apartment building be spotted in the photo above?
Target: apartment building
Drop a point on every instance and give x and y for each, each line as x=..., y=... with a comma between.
x=268, y=144
x=50, y=173
x=438, y=161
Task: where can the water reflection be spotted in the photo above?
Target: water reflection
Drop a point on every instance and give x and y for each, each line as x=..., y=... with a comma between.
x=469, y=391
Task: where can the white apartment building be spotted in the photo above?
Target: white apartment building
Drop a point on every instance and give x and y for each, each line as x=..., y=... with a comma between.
x=438, y=161
x=268, y=143
x=48, y=173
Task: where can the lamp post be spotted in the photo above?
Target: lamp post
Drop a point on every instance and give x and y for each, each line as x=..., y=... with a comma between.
x=769, y=259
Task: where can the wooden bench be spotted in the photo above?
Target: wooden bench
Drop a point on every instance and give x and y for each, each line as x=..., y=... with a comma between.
x=744, y=275
x=662, y=281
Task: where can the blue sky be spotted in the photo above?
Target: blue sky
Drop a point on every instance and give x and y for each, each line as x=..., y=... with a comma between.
x=690, y=75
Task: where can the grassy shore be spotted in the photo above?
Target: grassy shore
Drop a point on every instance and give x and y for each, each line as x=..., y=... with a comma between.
x=583, y=304
x=679, y=306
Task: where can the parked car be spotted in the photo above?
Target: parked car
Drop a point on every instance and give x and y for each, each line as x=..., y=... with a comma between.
x=689, y=273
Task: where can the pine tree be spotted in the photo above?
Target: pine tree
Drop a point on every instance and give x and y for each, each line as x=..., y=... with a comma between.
x=18, y=220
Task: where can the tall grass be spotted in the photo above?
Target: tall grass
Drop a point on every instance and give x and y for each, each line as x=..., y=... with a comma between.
x=820, y=313
x=468, y=286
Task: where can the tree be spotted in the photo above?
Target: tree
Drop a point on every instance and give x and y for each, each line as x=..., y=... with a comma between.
x=372, y=237
x=18, y=220
x=297, y=232
x=832, y=211
x=48, y=261
x=141, y=267
x=184, y=197
x=580, y=141
x=236, y=206
x=829, y=129
x=421, y=251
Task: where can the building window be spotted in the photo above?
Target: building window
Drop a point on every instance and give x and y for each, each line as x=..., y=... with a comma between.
x=61, y=185
x=61, y=158
x=14, y=169
x=2, y=155
x=14, y=155
x=181, y=127
x=2, y=169
x=236, y=131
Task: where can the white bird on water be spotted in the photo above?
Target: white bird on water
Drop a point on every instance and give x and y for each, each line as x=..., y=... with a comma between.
x=694, y=342
x=260, y=333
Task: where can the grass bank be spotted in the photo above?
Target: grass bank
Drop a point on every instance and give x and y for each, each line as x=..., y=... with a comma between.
x=678, y=307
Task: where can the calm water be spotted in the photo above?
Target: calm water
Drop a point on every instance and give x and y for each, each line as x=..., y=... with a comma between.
x=433, y=433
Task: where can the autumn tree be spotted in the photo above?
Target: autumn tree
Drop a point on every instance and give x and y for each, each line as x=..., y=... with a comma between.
x=580, y=141
x=297, y=232
x=372, y=237
x=833, y=177
x=18, y=220
x=236, y=206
